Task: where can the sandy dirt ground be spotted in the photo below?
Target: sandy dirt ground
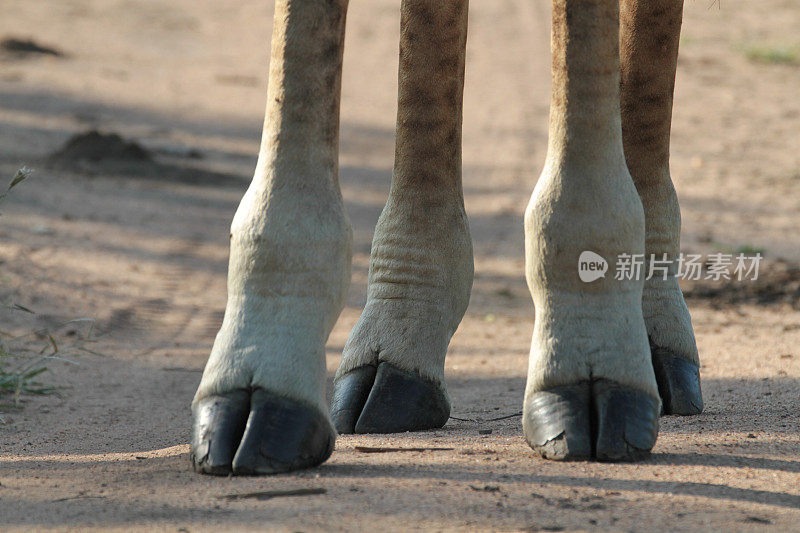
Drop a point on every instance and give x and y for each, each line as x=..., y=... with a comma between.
x=141, y=248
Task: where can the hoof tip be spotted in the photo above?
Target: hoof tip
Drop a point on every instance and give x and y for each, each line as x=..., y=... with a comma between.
x=219, y=423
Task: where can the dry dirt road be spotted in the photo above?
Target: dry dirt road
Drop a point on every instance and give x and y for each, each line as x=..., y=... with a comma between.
x=141, y=247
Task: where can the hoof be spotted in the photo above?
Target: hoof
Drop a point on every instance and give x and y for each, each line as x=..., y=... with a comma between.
x=387, y=400
x=282, y=435
x=626, y=422
x=678, y=383
x=600, y=420
x=559, y=423
x=258, y=433
x=219, y=423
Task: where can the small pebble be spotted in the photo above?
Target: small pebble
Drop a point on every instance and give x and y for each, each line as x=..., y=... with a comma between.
x=484, y=432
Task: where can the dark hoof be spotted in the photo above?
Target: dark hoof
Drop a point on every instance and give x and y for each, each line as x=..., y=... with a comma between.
x=272, y=434
x=600, y=420
x=350, y=393
x=626, y=422
x=282, y=435
x=219, y=423
x=678, y=383
x=558, y=424
x=387, y=400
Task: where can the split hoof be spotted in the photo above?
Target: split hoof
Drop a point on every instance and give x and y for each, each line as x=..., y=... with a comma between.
x=258, y=433
x=600, y=420
x=387, y=399
x=678, y=383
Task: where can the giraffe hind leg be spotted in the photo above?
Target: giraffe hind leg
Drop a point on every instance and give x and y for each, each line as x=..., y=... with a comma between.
x=392, y=373
x=650, y=32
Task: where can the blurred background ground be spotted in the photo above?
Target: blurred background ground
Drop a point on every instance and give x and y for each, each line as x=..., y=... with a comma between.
x=138, y=242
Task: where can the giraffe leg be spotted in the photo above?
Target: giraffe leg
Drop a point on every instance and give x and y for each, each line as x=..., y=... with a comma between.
x=260, y=407
x=649, y=35
x=591, y=389
x=391, y=377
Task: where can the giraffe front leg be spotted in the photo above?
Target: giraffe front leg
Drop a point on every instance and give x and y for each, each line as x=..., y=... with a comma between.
x=591, y=390
x=391, y=378
x=260, y=407
x=649, y=36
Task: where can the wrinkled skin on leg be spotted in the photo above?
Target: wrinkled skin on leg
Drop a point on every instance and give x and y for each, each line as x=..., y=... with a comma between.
x=260, y=407
x=591, y=390
x=649, y=35
x=391, y=377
